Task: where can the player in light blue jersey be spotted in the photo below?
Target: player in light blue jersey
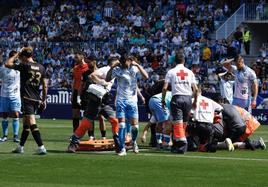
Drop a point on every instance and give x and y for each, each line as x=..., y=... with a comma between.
x=162, y=118
x=126, y=73
x=10, y=105
x=246, y=84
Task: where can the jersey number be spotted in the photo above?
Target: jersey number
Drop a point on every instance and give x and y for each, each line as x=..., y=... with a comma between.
x=35, y=78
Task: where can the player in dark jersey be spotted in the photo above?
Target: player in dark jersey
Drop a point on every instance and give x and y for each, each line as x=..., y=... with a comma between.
x=238, y=124
x=32, y=76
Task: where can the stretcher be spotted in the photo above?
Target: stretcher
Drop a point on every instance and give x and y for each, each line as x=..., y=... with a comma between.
x=98, y=145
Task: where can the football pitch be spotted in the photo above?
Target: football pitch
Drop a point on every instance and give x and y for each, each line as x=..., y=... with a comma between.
x=150, y=168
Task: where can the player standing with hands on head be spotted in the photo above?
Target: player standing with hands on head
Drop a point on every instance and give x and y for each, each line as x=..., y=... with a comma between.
x=246, y=84
x=183, y=87
x=10, y=103
x=32, y=77
x=126, y=73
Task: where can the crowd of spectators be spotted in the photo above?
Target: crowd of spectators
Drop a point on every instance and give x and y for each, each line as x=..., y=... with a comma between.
x=150, y=30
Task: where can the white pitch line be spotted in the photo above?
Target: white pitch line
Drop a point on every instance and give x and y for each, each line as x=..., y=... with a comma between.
x=186, y=156
x=206, y=157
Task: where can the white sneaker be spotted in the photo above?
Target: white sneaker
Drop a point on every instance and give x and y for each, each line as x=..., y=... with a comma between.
x=41, y=150
x=229, y=144
x=122, y=152
x=135, y=148
x=18, y=149
x=4, y=139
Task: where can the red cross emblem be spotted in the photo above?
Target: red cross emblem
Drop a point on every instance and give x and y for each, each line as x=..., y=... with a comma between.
x=203, y=104
x=182, y=74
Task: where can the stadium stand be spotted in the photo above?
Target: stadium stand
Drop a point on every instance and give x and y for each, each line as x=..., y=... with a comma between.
x=150, y=30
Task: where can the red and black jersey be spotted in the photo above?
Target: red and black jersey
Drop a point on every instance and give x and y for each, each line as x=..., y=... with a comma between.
x=31, y=74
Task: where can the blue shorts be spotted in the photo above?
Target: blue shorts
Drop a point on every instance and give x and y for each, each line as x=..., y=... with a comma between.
x=243, y=103
x=12, y=104
x=127, y=109
x=161, y=114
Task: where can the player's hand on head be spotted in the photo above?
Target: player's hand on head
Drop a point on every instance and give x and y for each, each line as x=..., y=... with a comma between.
x=116, y=63
x=134, y=63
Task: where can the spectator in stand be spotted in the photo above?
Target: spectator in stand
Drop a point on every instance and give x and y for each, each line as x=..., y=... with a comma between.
x=246, y=40
x=238, y=36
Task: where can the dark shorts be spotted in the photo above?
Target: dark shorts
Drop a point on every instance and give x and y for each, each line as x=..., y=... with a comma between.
x=219, y=135
x=75, y=104
x=180, y=107
x=29, y=107
x=96, y=107
x=205, y=131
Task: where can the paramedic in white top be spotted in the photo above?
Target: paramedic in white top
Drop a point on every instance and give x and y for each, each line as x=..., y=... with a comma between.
x=245, y=83
x=183, y=86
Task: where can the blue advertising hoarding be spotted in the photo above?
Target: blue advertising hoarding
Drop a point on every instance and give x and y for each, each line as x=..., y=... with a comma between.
x=59, y=107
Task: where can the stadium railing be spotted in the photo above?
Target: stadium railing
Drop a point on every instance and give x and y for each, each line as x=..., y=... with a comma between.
x=231, y=23
x=85, y=45
x=256, y=12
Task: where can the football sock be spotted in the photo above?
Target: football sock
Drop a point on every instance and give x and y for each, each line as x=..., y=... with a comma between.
x=75, y=124
x=24, y=134
x=103, y=133
x=166, y=139
x=134, y=132
x=36, y=134
x=5, y=127
x=128, y=127
x=121, y=134
x=115, y=125
x=85, y=124
x=16, y=126
x=91, y=130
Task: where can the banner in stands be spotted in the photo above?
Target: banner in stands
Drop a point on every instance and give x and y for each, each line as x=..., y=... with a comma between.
x=59, y=107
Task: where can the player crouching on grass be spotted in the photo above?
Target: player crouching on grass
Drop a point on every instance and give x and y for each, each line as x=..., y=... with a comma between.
x=201, y=125
x=238, y=125
x=162, y=119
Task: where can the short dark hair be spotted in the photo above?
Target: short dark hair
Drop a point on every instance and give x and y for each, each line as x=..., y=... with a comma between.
x=26, y=52
x=111, y=59
x=237, y=56
x=179, y=58
x=12, y=53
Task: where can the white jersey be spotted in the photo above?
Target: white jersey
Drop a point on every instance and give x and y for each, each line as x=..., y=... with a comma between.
x=181, y=80
x=10, y=82
x=205, y=109
x=243, y=82
x=102, y=73
x=227, y=89
x=126, y=83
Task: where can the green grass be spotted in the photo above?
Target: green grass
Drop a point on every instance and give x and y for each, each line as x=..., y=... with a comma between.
x=149, y=168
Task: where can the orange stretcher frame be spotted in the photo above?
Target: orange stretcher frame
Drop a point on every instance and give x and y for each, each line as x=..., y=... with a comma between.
x=97, y=145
